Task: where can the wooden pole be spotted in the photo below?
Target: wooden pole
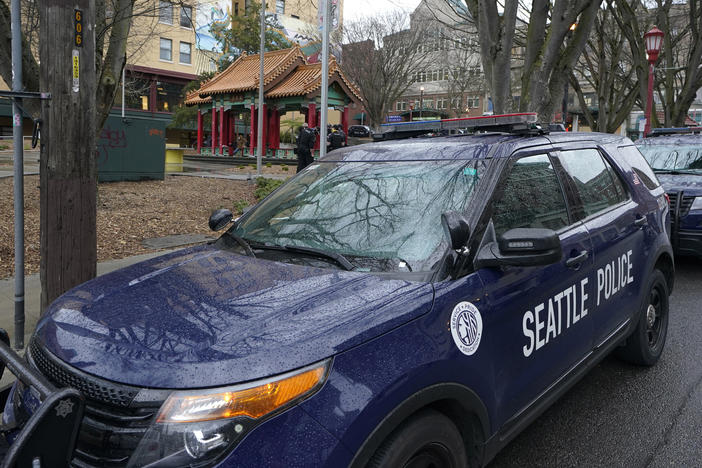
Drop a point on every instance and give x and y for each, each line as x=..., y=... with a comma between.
x=68, y=171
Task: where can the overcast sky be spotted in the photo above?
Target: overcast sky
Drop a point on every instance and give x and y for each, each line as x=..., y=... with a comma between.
x=354, y=9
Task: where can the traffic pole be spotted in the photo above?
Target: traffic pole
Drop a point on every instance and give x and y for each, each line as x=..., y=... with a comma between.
x=18, y=172
x=259, y=139
x=325, y=78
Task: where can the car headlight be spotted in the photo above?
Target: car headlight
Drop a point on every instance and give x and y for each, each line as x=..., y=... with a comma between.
x=696, y=204
x=194, y=428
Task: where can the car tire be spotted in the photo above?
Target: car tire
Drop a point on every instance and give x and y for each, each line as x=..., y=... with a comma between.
x=645, y=345
x=427, y=439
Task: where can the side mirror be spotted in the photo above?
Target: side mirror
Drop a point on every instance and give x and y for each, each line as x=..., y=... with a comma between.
x=219, y=219
x=521, y=247
x=456, y=229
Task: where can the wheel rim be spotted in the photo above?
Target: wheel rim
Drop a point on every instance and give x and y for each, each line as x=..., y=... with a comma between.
x=432, y=455
x=654, y=317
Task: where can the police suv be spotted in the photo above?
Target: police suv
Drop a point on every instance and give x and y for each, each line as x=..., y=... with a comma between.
x=675, y=154
x=409, y=302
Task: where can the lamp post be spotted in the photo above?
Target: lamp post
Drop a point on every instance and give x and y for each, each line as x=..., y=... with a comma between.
x=653, y=40
x=421, y=101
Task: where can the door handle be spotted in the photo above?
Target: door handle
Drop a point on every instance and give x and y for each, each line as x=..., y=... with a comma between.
x=640, y=221
x=574, y=262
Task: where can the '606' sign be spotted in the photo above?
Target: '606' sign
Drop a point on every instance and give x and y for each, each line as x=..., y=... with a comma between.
x=78, y=27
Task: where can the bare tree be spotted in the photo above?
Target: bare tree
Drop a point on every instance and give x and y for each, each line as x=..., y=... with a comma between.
x=679, y=70
x=606, y=67
x=549, y=49
x=381, y=57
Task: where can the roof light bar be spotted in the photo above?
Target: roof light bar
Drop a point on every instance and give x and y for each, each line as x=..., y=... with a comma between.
x=510, y=123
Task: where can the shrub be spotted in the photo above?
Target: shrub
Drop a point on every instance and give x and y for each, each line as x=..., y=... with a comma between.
x=269, y=164
x=265, y=186
x=284, y=167
x=239, y=206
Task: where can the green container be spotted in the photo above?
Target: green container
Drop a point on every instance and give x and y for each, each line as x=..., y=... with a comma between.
x=131, y=149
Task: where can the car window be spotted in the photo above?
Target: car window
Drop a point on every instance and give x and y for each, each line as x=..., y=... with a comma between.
x=596, y=183
x=640, y=166
x=532, y=197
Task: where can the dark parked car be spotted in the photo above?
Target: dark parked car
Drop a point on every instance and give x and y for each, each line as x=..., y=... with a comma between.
x=676, y=157
x=402, y=303
x=360, y=131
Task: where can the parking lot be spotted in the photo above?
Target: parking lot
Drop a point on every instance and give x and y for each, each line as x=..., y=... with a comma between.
x=620, y=415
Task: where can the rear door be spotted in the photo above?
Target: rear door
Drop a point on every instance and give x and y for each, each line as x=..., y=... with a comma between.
x=615, y=223
x=543, y=311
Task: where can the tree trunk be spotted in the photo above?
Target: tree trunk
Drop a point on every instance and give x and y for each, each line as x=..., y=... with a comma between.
x=68, y=171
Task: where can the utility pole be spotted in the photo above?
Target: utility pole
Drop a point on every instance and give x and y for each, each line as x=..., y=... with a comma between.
x=18, y=173
x=68, y=172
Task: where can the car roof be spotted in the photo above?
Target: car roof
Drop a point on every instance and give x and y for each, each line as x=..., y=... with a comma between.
x=461, y=147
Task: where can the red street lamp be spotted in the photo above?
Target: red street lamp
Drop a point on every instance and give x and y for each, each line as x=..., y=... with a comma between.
x=654, y=41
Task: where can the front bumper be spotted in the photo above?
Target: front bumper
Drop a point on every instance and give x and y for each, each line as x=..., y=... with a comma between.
x=689, y=242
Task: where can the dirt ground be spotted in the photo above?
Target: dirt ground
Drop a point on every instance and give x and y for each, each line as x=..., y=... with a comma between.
x=129, y=212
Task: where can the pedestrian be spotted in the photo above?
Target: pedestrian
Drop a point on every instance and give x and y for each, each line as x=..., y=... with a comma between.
x=337, y=139
x=240, y=144
x=305, y=142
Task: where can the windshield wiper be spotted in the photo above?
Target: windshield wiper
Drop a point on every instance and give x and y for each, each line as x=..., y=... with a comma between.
x=242, y=242
x=337, y=257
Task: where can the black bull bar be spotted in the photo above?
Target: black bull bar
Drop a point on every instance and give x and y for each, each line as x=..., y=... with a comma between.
x=48, y=438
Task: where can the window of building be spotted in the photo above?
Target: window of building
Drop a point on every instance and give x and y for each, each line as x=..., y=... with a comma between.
x=185, y=48
x=595, y=182
x=186, y=17
x=428, y=103
x=166, y=52
x=136, y=94
x=401, y=105
x=441, y=103
x=168, y=96
x=531, y=178
x=280, y=6
x=435, y=75
x=473, y=102
x=236, y=11
x=165, y=12
x=456, y=102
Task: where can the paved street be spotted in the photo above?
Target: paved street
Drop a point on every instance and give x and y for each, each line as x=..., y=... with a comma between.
x=620, y=415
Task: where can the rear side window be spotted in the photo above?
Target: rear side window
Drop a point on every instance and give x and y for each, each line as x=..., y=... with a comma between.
x=641, y=168
x=532, y=197
x=596, y=183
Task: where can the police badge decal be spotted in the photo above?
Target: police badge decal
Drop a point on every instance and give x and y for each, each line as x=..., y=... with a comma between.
x=466, y=327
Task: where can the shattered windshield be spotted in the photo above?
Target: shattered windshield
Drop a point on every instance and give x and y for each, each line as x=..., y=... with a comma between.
x=686, y=158
x=376, y=214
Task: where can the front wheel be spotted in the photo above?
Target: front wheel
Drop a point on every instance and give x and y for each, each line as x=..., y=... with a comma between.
x=426, y=440
x=645, y=345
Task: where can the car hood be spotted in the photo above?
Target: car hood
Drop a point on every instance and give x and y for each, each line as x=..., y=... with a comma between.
x=204, y=317
x=690, y=184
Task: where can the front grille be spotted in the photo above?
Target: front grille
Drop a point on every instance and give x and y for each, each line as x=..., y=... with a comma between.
x=685, y=203
x=91, y=387
x=112, y=426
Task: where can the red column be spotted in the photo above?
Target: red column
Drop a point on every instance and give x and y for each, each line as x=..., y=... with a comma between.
x=276, y=129
x=312, y=115
x=264, y=141
x=252, y=135
x=318, y=120
x=221, y=130
x=273, y=128
x=232, y=128
x=345, y=123
x=214, y=128
x=199, y=131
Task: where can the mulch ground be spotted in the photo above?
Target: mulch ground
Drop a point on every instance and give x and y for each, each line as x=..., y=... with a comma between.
x=129, y=212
